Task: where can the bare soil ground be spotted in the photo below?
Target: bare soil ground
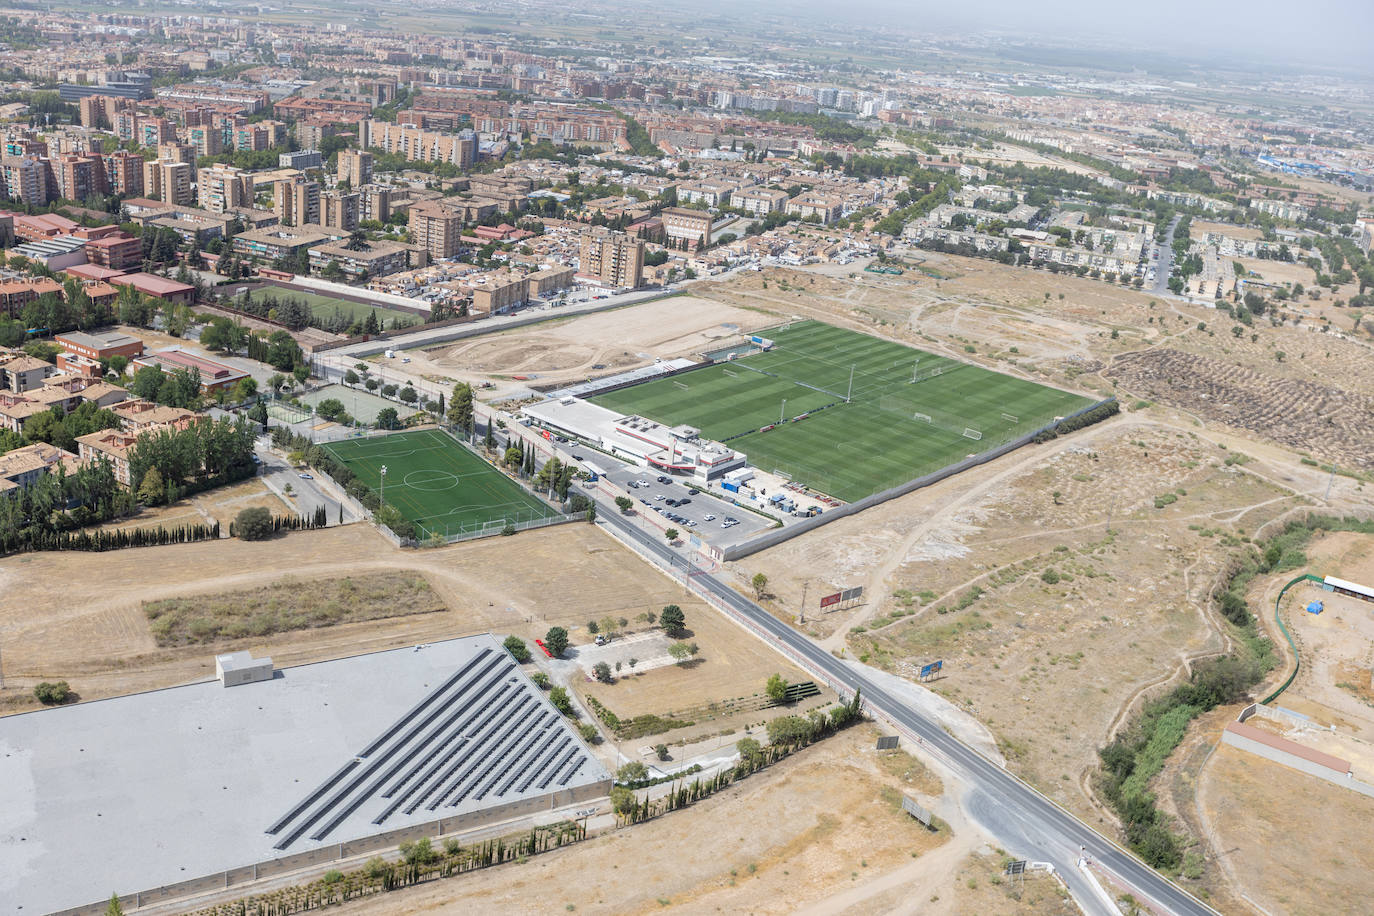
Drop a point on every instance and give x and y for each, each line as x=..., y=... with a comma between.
x=1048, y=665
x=221, y=505
x=619, y=339
x=824, y=823
x=1293, y=843
x=77, y=616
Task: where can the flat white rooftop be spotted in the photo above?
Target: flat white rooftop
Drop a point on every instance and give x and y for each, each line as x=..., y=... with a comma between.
x=132, y=793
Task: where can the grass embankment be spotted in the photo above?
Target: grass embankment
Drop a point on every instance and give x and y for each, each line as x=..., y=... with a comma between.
x=288, y=605
x=1141, y=749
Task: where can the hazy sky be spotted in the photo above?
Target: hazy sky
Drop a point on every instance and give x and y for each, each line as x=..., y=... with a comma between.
x=1289, y=31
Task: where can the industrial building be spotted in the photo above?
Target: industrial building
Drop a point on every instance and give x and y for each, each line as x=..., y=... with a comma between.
x=192, y=788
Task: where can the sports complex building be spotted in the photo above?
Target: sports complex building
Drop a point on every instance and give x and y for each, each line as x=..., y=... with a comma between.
x=840, y=412
x=191, y=789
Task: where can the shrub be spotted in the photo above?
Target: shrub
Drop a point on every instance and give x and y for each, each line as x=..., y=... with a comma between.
x=50, y=694
x=253, y=524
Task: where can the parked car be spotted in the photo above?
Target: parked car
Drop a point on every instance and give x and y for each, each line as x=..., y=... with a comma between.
x=307, y=477
x=693, y=491
x=710, y=518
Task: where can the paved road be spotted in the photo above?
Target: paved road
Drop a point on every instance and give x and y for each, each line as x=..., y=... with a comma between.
x=306, y=494
x=1165, y=265
x=1029, y=824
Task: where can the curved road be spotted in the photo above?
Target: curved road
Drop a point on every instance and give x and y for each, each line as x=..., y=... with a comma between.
x=1011, y=810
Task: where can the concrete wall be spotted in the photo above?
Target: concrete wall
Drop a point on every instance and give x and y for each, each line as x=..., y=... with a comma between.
x=380, y=842
x=1292, y=761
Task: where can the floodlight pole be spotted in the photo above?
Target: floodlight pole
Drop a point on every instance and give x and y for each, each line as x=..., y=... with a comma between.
x=914, y=366
x=1330, y=480
x=783, y=412
x=382, y=498
x=851, y=385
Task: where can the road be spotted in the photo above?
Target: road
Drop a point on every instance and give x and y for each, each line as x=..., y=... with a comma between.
x=1026, y=822
x=306, y=493
x=1165, y=265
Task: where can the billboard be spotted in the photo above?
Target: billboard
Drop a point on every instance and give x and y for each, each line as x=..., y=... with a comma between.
x=916, y=811
x=852, y=594
x=887, y=742
x=830, y=600
x=932, y=668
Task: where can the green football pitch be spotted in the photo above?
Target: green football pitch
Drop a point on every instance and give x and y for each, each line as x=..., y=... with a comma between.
x=851, y=415
x=438, y=484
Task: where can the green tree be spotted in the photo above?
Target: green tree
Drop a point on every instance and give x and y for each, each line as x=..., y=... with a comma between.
x=114, y=907
x=556, y=641
x=760, y=585
x=517, y=649
x=623, y=800
x=671, y=534
x=776, y=688
x=750, y=751
x=253, y=524
x=588, y=732
x=661, y=751
x=460, y=408
x=387, y=418
x=558, y=696
x=672, y=620
x=408, y=394
x=152, y=490
x=634, y=771
x=624, y=504
x=680, y=652
x=602, y=672
x=351, y=378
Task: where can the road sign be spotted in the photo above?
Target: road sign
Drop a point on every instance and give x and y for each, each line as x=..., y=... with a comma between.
x=830, y=600
x=931, y=669
x=887, y=743
x=1016, y=868
x=916, y=811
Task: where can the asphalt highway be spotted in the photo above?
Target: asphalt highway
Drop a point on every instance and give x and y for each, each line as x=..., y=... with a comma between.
x=1027, y=823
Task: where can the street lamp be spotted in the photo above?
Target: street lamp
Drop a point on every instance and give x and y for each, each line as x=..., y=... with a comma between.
x=382, y=498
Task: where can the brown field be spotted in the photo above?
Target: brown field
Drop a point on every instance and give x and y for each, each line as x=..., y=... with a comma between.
x=221, y=504
x=822, y=829
x=1291, y=843
x=620, y=339
x=1047, y=666
x=78, y=617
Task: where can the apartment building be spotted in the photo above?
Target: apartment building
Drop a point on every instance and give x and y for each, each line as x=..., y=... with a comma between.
x=302, y=159
x=823, y=208
x=374, y=202
x=296, y=201
x=168, y=180
x=418, y=145
x=205, y=140
x=759, y=202
x=79, y=177
x=124, y=173
x=355, y=167
x=223, y=187
x=436, y=228
x=27, y=179
x=614, y=258
x=686, y=228
x=373, y=259
x=339, y=210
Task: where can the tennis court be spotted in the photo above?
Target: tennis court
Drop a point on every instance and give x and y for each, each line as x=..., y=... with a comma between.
x=438, y=484
x=847, y=413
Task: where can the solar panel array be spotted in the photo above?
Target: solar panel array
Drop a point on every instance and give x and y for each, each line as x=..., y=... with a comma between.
x=483, y=736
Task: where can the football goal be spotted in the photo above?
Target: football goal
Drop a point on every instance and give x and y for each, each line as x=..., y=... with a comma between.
x=971, y=433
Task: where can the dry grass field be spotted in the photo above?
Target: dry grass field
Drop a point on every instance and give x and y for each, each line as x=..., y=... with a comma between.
x=1291, y=843
x=79, y=617
x=820, y=832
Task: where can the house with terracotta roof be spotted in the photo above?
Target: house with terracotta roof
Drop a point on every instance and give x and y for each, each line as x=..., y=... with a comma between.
x=20, y=467
x=20, y=372
x=157, y=287
x=17, y=293
x=213, y=375
x=111, y=444
x=139, y=416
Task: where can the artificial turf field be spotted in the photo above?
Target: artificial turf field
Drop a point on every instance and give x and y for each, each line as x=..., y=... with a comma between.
x=905, y=414
x=438, y=484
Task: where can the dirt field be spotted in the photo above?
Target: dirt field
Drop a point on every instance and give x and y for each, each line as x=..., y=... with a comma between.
x=1293, y=843
x=1337, y=646
x=1046, y=663
x=823, y=827
x=620, y=339
x=78, y=617
x=221, y=504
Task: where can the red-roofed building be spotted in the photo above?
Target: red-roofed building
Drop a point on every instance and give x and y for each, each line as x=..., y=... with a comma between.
x=213, y=375
x=92, y=272
x=117, y=251
x=42, y=226
x=158, y=287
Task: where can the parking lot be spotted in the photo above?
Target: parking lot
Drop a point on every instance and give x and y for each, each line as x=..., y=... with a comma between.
x=707, y=511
